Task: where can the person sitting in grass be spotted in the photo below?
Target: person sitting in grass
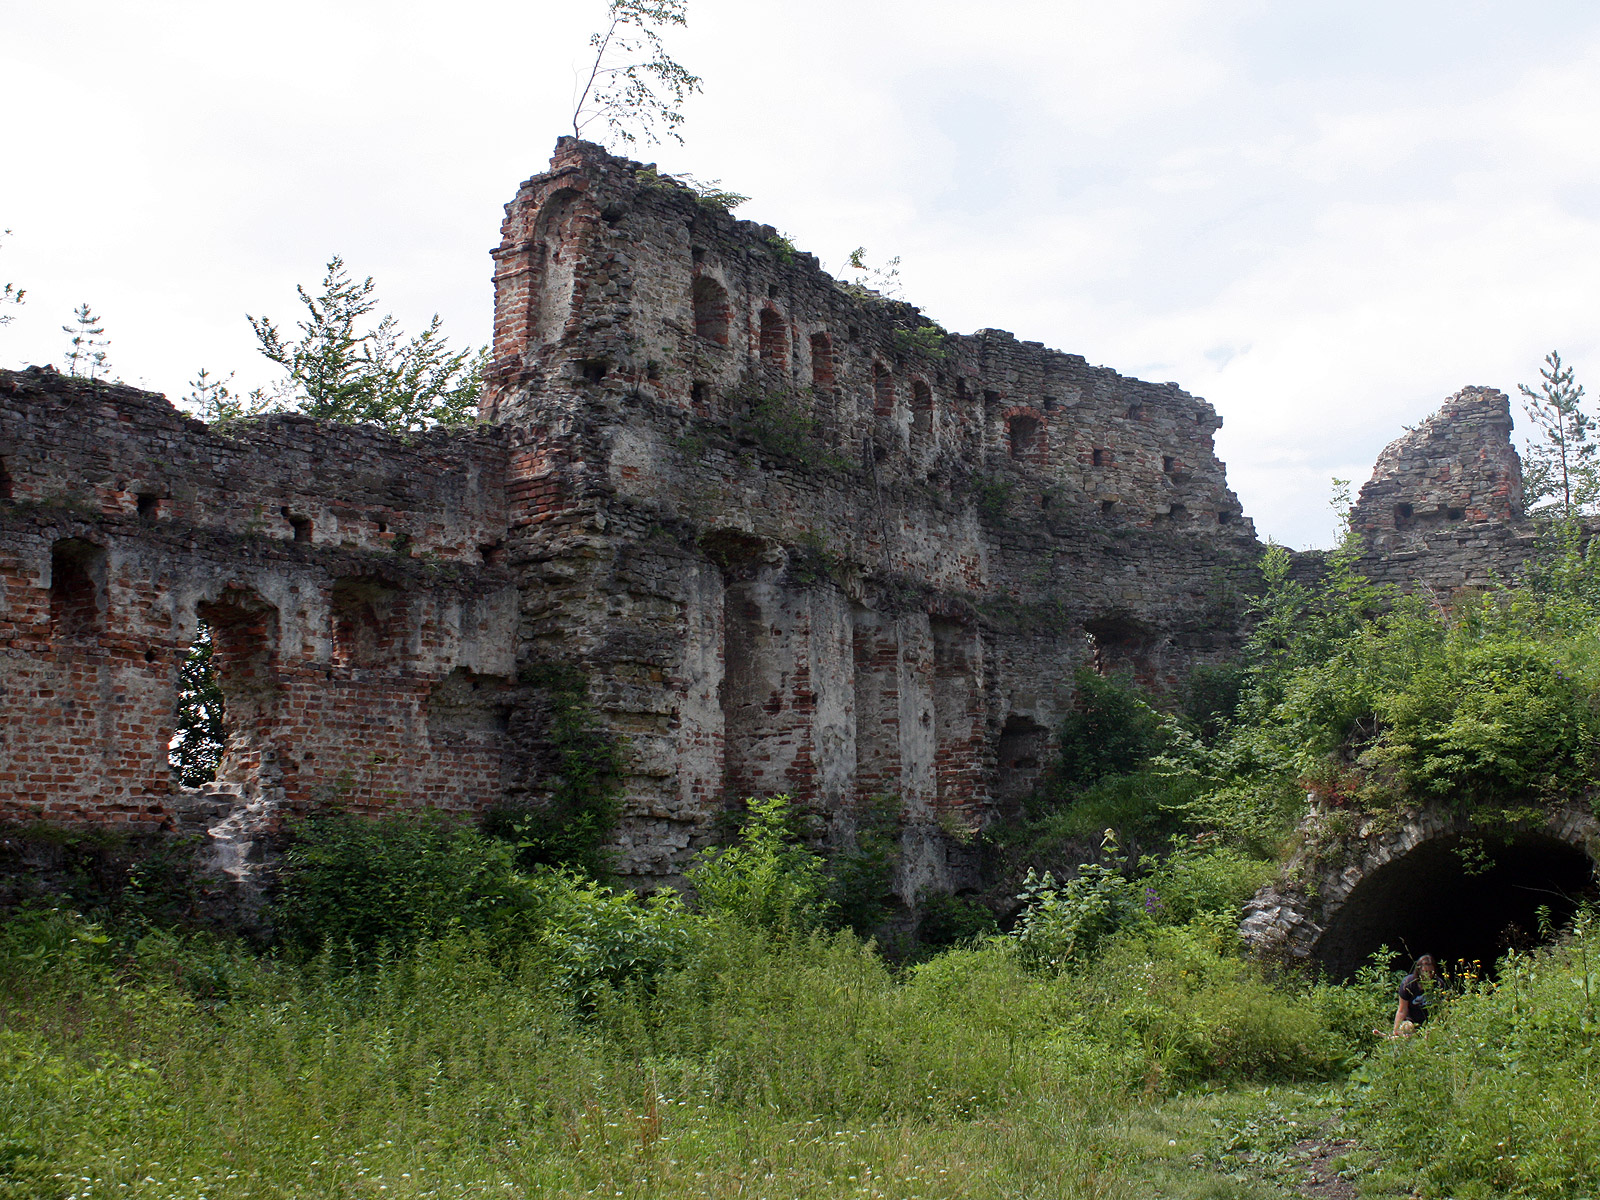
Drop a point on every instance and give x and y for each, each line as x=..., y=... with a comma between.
x=1413, y=1007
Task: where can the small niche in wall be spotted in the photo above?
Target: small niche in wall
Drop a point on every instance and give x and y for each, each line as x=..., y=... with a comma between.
x=821, y=360
x=1024, y=436
x=149, y=506
x=77, y=589
x=1168, y=464
x=1455, y=514
x=1099, y=457
x=368, y=622
x=774, y=339
x=921, y=409
x=6, y=486
x=712, y=312
x=700, y=395
x=1404, y=516
x=301, y=527
x=882, y=390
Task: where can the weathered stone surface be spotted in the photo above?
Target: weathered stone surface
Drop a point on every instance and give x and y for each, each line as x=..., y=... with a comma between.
x=798, y=538
x=1444, y=504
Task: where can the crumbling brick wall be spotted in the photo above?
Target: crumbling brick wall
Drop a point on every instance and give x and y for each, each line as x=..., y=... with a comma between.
x=362, y=634
x=803, y=541
x=1444, y=505
x=797, y=538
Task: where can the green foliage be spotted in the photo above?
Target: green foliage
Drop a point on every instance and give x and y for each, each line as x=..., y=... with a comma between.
x=1111, y=731
x=780, y=421
x=633, y=84
x=872, y=283
x=200, y=737
x=994, y=498
x=783, y=246
x=709, y=192
x=861, y=876
x=10, y=294
x=1210, y=698
x=365, y=883
x=1560, y=471
x=950, y=920
x=927, y=341
x=1202, y=878
x=1062, y=923
x=768, y=879
x=1497, y=1095
x=86, y=356
x=598, y=940
x=343, y=368
x=573, y=825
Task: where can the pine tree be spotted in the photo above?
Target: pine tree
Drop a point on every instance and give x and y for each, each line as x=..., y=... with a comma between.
x=86, y=358
x=345, y=368
x=1559, y=470
x=201, y=737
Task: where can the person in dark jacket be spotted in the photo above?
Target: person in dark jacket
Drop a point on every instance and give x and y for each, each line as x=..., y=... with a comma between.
x=1413, y=1008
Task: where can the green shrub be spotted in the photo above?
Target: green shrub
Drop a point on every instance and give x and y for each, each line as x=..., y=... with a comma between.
x=1200, y=877
x=949, y=920
x=768, y=879
x=361, y=882
x=1112, y=731
x=861, y=876
x=1070, y=921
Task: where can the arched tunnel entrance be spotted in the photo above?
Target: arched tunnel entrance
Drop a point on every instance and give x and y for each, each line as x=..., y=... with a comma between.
x=1458, y=897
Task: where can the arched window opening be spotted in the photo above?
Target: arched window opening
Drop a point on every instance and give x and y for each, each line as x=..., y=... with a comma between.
x=821, y=360
x=712, y=313
x=882, y=390
x=243, y=643
x=368, y=622
x=921, y=409
x=77, y=589
x=200, y=734
x=556, y=237
x=774, y=339
x=1024, y=436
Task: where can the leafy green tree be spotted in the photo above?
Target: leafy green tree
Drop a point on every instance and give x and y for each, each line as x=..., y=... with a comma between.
x=1559, y=470
x=344, y=367
x=10, y=293
x=86, y=359
x=634, y=85
x=200, y=738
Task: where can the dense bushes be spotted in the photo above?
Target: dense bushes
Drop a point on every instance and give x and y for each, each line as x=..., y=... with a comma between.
x=1501, y=1095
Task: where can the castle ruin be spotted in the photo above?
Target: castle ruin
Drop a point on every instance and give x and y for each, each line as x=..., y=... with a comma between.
x=796, y=538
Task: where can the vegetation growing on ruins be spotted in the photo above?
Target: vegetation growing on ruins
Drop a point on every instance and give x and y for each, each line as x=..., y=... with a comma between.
x=10, y=294
x=344, y=367
x=634, y=86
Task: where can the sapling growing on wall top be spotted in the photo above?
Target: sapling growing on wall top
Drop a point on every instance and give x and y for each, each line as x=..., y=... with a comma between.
x=10, y=293
x=86, y=357
x=1559, y=466
x=633, y=85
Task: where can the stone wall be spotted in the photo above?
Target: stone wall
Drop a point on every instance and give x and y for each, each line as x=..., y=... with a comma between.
x=362, y=632
x=1444, y=505
x=806, y=542
x=798, y=538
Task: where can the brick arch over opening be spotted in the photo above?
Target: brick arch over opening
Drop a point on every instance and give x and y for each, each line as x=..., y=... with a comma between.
x=1437, y=883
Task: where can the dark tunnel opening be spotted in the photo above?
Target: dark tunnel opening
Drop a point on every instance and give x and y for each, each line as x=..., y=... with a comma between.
x=1458, y=898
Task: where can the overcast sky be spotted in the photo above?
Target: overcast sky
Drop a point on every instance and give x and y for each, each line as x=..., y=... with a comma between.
x=1322, y=217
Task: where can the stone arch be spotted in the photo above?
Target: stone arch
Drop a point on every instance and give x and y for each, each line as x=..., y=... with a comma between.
x=555, y=248
x=244, y=661
x=774, y=343
x=1438, y=882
